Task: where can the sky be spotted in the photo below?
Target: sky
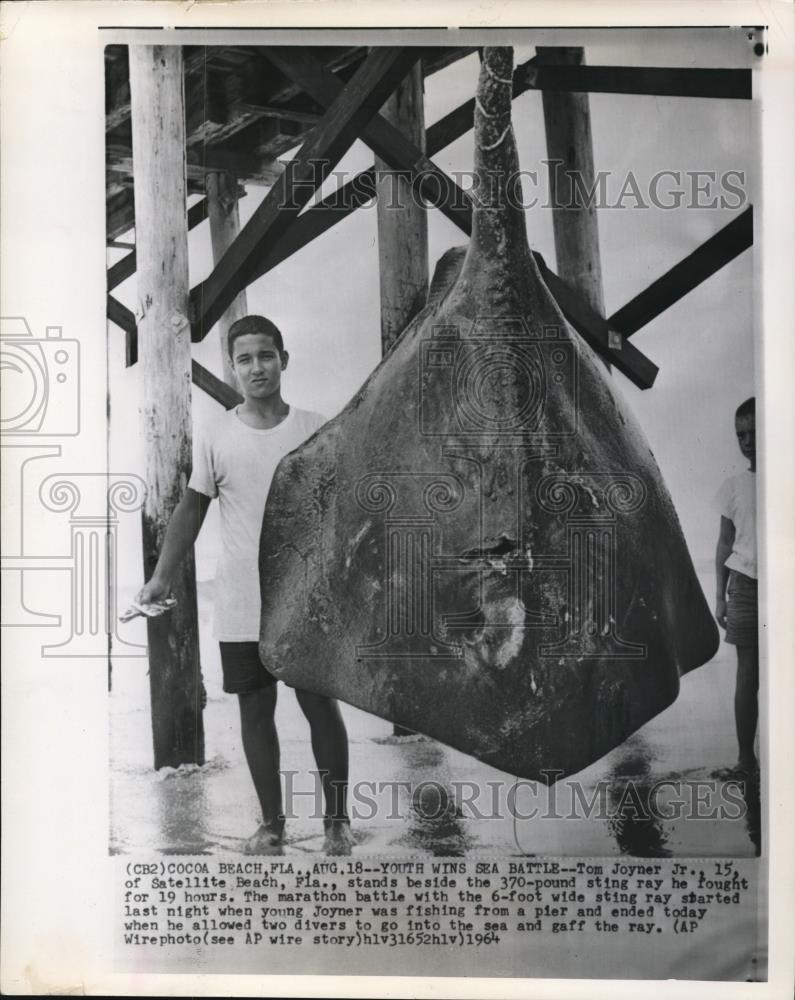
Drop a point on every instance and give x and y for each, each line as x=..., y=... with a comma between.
x=326, y=298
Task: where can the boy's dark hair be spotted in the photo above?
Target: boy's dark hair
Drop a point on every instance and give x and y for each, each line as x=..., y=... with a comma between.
x=746, y=409
x=254, y=324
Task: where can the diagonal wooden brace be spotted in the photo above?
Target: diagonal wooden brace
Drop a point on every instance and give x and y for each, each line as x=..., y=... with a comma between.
x=683, y=277
x=125, y=268
x=596, y=330
x=383, y=138
x=328, y=142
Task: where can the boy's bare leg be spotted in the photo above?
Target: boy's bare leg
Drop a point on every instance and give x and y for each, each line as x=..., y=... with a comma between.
x=330, y=747
x=261, y=747
x=746, y=706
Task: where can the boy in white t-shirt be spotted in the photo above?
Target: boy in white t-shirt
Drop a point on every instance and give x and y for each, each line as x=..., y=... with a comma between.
x=736, y=571
x=235, y=461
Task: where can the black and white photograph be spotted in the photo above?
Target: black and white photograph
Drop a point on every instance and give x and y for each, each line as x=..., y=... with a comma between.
x=499, y=535
x=421, y=556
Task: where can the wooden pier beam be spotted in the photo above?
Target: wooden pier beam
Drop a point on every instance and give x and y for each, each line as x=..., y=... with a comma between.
x=402, y=227
x=325, y=146
x=161, y=230
x=222, y=206
x=567, y=121
x=402, y=220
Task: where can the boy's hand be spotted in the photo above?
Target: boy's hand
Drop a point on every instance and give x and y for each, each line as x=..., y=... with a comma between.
x=153, y=592
x=720, y=612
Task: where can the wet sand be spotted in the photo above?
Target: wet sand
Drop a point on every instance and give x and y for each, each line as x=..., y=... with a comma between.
x=457, y=805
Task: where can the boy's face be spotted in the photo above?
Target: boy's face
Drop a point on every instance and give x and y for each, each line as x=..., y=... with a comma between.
x=746, y=435
x=258, y=365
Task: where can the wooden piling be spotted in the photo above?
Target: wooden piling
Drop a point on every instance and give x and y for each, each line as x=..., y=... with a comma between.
x=161, y=232
x=222, y=206
x=402, y=228
x=402, y=221
x=567, y=120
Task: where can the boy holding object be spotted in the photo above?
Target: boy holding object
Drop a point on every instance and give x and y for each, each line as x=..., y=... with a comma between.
x=235, y=461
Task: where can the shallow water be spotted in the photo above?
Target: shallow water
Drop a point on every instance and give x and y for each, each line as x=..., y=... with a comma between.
x=426, y=798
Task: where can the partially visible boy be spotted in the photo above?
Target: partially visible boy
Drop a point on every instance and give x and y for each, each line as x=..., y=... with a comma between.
x=736, y=570
x=235, y=461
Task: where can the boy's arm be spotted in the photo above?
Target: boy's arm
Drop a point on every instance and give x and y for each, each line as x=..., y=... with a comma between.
x=722, y=553
x=181, y=533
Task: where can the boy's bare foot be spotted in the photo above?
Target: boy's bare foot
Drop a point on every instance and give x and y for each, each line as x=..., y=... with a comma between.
x=268, y=839
x=339, y=840
x=743, y=771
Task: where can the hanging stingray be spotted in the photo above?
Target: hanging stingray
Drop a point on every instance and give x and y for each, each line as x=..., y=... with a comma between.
x=480, y=546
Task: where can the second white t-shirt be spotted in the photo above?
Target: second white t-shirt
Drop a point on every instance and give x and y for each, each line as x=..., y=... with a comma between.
x=737, y=499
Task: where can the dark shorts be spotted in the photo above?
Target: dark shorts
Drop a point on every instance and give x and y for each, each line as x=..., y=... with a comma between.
x=242, y=668
x=742, y=627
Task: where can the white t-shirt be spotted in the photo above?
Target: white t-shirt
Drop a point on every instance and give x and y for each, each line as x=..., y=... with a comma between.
x=236, y=463
x=737, y=499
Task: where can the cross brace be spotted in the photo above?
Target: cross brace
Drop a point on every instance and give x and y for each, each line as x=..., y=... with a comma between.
x=326, y=145
x=389, y=143
x=683, y=277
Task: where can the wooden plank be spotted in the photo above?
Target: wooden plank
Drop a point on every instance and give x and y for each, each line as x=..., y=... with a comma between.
x=224, y=228
x=119, y=314
x=625, y=322
x=197, y=61
x=125, y=268
x=567, y=124
x=287, y=114
x=725, y=84
x=304, y=230
x=347, y=60
x=222, y=393
x=254, y=166
x=433, y=59
x=703, y=262
x=402, y=219
x=256, y=98
x=595, y=330
x=322, y=217
x=119, y=212
x=438, y=136
x=161, y=229
x=327, y=144
x=384, y=139
x=361, y=189
x=200, y=376
x=357, y=192
x=317, y=220
x=441, y=57
x=117, y=85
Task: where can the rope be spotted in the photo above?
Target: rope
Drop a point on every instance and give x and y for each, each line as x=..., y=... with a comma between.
x=494, y=145
x=493, y=75
x=488, y=114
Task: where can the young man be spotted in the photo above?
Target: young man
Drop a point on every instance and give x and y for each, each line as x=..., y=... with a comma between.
x=735, y=565
x=235, y=462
